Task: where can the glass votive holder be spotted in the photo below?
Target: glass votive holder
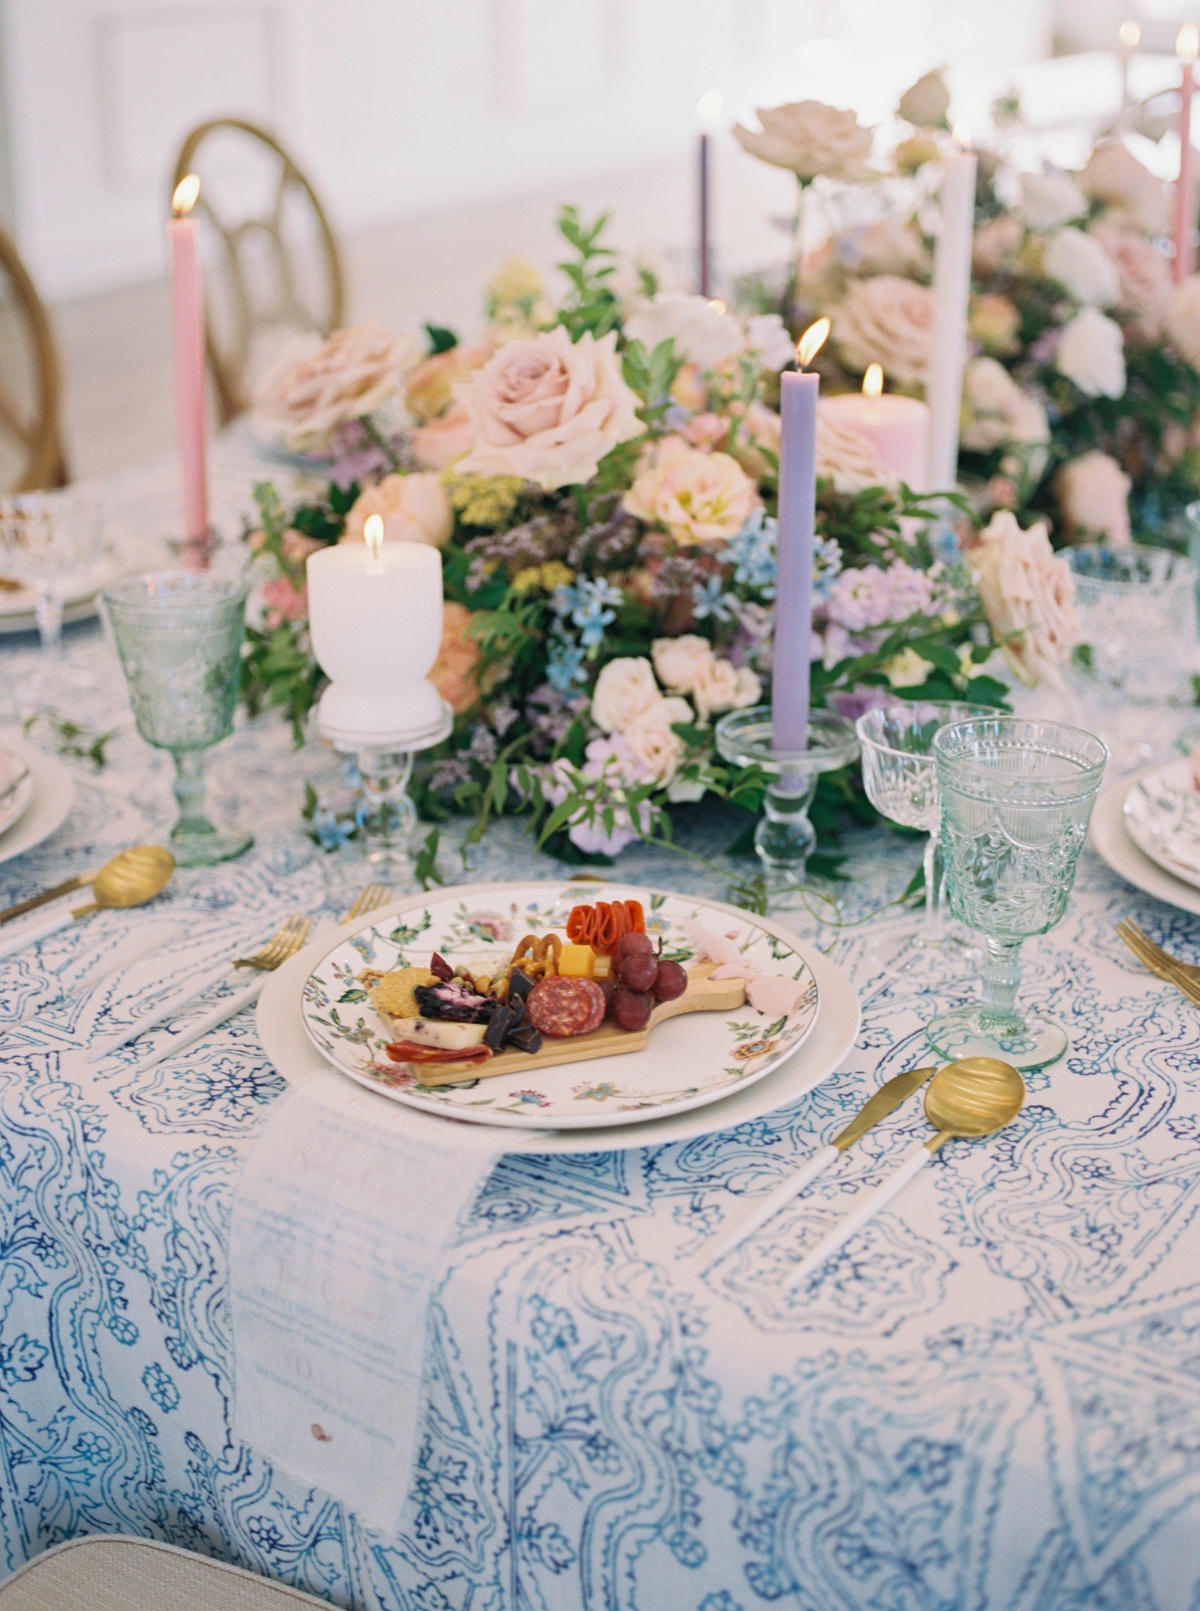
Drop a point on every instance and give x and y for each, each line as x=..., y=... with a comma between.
x=179, y=638
x=1138, y=608
x=785, y=838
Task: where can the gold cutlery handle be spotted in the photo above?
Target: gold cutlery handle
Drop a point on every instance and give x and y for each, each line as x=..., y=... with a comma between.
x=85, y=911
x=64, y=888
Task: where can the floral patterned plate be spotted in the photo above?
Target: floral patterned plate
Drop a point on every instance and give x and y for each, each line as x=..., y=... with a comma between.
x=690, y=1061
x=1162, y=817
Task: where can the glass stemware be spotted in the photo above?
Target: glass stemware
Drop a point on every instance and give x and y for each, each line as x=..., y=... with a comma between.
x=50, y=544
x=900, y=779
x=179, y=636
x=1016, y=798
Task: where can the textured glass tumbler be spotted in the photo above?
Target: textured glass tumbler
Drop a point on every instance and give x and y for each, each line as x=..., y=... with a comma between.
x=179, y=635
x=900, y=779
x=1137, y=607
x=1016, y=798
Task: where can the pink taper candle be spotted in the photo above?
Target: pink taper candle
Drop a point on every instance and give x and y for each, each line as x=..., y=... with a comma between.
x=792, y=652
x=187, y=307
x=1186, y=46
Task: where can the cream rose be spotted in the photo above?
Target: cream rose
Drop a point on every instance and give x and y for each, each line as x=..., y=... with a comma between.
x=1079, y=262
x=768, y=336
x=926, y=102
x=1129, y=192
x=680, y=662
x=1183, y=319
x=437, y=443
x=547, y=410
x=624, y=689
x=996, y=411
x=886, y=320
x=1050, y=199
x=702, y=334
x=810, y=138
x=1093, y=498
x=1028, y=591
x=651, y=740
x=1144, y=276
x=846, y=457
x=699, y=497
x=996, y=244
x=723, y=686
x=415, y=509
x=1091, y=352
x=351, y=374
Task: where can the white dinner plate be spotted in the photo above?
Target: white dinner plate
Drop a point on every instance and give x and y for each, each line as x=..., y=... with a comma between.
x=14, y=805
x=1162, y=817
x=53, y=795
x=688, y=1062
x=832, y=1037
x=1114, y=846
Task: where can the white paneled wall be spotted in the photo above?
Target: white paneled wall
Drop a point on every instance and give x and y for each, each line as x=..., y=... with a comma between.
x=398, y=106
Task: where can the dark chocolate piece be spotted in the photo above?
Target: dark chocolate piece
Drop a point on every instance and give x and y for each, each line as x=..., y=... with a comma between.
x=525, y=1038
x=498, y=1027
x=519, y=984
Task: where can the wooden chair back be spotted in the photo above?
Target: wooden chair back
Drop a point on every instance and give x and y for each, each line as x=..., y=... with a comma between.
x=271, y=263
x=31, y=452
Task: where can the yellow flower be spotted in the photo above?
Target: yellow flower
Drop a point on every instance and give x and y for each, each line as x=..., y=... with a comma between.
x=906, y=669
x=549, y=576
x=515, y=281
x=484, y=500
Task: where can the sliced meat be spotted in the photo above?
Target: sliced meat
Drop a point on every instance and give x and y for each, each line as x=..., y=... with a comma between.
x=565, y=1007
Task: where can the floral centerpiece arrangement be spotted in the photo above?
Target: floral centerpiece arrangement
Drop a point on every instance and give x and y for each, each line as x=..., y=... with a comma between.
x=1082, y=388
x=600, y=475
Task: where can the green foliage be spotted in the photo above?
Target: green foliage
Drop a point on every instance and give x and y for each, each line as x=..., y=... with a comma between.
x=278, y=670
x=591, y=304
x=425, y=864
x=441, y=339
x=651, y=375
x=71, y=738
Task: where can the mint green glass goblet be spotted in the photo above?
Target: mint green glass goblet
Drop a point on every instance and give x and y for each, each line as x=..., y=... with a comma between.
x=1016, y=797
x=179, y=636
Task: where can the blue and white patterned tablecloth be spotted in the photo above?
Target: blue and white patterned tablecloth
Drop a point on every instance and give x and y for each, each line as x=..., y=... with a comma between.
x=991, y=1400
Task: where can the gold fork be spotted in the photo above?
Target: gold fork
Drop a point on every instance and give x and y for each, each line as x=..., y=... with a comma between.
x=281, y=946
x=1182, y=975
x=370, y=900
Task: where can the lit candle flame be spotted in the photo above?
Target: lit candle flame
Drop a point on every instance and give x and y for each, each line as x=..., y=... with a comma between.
x=717, y=305
x=709, y=109
x=962, y=135
x=873, y=381
x=1130, y=35
x=187, y=194
x=811, y=342
x=1187, y=42
x=373, y=537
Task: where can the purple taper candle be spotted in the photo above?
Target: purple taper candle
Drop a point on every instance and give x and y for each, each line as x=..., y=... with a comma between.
x=797, y=522
x=703, y=248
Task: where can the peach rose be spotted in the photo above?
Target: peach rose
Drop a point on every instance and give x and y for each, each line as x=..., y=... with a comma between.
x=1144, y=275
x=436, y=444
x=886, y=320
x=1093, y=498
x=547, y=410
x=455, y=672
x=810, y=139
x=1129, y=192
x=1029, y=591
x=698, y=497
x=415, y=509
x=430, y=388
x=349, y=375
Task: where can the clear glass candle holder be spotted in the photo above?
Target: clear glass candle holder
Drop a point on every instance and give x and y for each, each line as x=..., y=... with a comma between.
x=784, y=838
x=179, y=637
x=1137, y=607
x=1016, y=796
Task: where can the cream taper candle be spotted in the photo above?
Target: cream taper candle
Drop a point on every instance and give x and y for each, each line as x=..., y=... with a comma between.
x=948, y=340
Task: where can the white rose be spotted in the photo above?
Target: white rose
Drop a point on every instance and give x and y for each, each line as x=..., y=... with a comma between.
x=1092, y=354
x=1028, y=593
x=651, y=740
x=1050, y=199
x=907, y=669
x=810, y=139
x=724, y=686
x=926, y=102
x=1183, y=319
x=681, y=662
x=624, y=689
x=702, y=334
x=889, y=321
x=997, y=412
x=1131, y=194
x=845, y=456
x=1093, y=498
x=1081, y=264
x=548, y=410
x=767, y=335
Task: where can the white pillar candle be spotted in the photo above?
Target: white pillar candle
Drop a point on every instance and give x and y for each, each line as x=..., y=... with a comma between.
x=375, y=614
x=897, y=427
x=948, y=340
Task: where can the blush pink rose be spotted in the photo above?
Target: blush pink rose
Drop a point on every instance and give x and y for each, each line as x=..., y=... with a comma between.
x=1028, y=592
x=414, y=509
x=1093, y=499
x=1144, y=274
x=437, y=444
x=282, y=601
x=886, y=320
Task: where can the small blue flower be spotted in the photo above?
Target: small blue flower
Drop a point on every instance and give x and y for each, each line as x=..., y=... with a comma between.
x=752, y=554
x=330, y=832
x=591, y=604
x=564, y=665
x=827, y=567
x=712, y=601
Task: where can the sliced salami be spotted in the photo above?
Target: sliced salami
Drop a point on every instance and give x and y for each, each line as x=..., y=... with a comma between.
x=565, y=1007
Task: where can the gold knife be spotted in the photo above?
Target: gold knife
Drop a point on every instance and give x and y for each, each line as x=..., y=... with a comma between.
x=890, y=1095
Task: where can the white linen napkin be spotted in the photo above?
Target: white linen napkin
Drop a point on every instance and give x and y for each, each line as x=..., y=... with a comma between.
x=341, y=1216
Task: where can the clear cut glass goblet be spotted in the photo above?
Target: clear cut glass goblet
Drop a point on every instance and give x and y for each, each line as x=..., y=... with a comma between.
x=900, y=779
x=1016, y=796
x=179, y=637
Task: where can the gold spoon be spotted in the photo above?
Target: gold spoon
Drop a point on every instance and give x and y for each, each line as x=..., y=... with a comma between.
x=971, y=1098
x=131, y=878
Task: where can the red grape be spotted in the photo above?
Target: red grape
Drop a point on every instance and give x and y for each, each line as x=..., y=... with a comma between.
x=630, y=944
x=670, y=982
x=609, y=988
x=638, y=971
x=631, y=1009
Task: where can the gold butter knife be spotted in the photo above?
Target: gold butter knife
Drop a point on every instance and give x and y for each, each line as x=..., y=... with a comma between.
x=890, y=1095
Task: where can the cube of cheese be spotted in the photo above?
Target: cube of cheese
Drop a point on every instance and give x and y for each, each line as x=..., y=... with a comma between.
x=576, y=961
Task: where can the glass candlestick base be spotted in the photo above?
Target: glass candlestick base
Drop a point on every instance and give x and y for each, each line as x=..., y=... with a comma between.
x=385, y=813
x=785, y=838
